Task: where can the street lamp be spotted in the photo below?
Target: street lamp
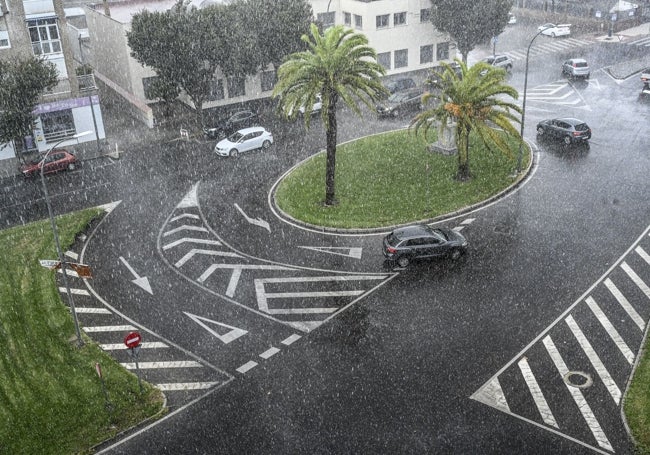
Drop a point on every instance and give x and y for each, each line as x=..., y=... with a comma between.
x=523, y=106
x=56, y=233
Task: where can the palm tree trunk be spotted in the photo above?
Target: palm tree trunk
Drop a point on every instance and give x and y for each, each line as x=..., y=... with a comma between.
x=462, y=142
x=330, y=167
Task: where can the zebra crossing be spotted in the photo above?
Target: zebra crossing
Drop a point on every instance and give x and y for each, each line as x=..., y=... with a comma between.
x=571, y=378
x=179, y=374
x=642, y=42
x=549, y=47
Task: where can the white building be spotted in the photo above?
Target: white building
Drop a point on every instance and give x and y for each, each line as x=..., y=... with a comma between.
x=399, y=30
x=38, y=27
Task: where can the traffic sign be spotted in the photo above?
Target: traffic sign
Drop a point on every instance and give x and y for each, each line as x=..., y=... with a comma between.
x=50, y=264
x=132, y=340
x=82, y=270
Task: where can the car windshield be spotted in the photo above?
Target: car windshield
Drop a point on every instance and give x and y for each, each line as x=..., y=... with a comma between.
x=397, y=97
x=489, y=60
x=235, y=137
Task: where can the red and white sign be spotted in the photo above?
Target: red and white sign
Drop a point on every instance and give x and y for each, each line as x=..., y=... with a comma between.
x=132, y=340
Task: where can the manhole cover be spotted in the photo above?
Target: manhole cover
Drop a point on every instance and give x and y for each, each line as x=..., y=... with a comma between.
x=578, y=379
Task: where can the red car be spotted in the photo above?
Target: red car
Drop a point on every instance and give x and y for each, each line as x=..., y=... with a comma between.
x=57, y=160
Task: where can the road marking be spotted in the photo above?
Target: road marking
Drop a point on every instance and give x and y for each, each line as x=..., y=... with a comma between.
x=191, y=240
x=72, y=255
x=144, y=345
x=195, y=251
x=256, y=221
x=155, y=365
x=247, y=366
x=577, y=395
x=68, y=272
x=353, y=252
x=74, y=291
x=185, y=215
x=269, y=353
x=629, y=309
x=641, y=252
x=92, y=310
x=492, y=394
x=290, y=340
x=185, y=227
x=140, y=281
x=110, y=328
x=536, y=392
x=170, y=387
x=611, y=331
x=636, y=278
x=232, y=334
x=598, y=365
x=236, y=273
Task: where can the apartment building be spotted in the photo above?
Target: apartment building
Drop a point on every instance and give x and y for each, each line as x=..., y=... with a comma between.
x=400, y=31
x=38, y=27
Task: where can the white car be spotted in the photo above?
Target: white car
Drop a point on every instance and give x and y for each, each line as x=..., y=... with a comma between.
x=554, y=30
x=512, y=19
x=244, y=140
x=315, y=109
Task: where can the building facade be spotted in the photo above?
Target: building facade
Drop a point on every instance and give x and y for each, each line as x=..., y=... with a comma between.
x=38, y=27
x=399, y=30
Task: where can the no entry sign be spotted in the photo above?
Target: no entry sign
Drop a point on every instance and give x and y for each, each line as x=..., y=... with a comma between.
x=132, y=340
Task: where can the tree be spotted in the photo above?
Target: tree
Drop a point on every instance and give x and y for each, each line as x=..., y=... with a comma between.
x=278, y=27
x=338, y=64
x=166, y=90
x=22, y=83
x=187, y=45
x=474, y=101
x=470, y=22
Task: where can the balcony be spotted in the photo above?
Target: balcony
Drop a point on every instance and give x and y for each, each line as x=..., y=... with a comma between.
x=86, y=82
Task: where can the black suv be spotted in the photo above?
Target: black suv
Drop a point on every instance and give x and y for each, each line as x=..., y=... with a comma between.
x=569, y=130
x=405, y=244
x=238, y=120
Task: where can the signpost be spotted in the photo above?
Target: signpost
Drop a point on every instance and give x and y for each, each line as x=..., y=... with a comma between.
x=107, y=403
x=132, y=341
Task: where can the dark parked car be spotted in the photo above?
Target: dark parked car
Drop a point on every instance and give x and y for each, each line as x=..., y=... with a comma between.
x=398, y=85
x=397, y=103
x=405, y=244
x=569, y=130
x=236, y=121
x=57, y=160
x=432, y=78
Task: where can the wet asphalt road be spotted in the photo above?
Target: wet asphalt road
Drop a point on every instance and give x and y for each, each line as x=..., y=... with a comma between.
x=394, y=367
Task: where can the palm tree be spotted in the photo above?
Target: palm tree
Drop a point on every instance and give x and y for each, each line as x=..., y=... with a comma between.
x=338, y=64
x=473, y=99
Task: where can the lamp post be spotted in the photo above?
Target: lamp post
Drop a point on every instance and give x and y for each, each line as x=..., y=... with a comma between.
x=523, y=106
x=56, y=234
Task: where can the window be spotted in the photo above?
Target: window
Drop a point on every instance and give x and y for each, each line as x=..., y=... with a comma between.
x=401, y=58
x=347, y=18
x=358, y=21
x=384, y=59
x=216, y=90
x=236, y=86
x=399, y=19
x=58, y=125
x=425, y=15
x=268, y=79
x=382, y=21
x=4, y=34
x=426, y=54
x=44, y=34
x=442, y=51
x=327, y=19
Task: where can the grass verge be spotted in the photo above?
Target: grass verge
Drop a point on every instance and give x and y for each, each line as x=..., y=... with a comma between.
x=51, y=398
x=637, y=403
x=393, y=179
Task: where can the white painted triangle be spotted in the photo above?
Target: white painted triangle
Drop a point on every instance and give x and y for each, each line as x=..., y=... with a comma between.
x=191, y=199
x=352, y=252
x=305, y=326
x=226, y=338
x=108, y=208
x=492, y=395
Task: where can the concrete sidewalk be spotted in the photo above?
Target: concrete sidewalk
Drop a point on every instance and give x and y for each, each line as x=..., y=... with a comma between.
x=629, y=68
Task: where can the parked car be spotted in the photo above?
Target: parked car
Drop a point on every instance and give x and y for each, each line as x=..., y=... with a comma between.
x=432, y=78
x=399, y=102
x=57, y=160
x=499, y=61
x=315, y=108
x=398, y=85
x=237, y=120
x=244, y=140
x=645, y=76
x=569, y=130
x=576, y=67
x=554, y=30
x=406, y=244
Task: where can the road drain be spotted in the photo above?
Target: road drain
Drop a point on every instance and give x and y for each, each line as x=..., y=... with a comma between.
x=578, y=379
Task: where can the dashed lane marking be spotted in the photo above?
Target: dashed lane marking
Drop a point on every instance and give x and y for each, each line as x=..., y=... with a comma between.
x=290, y=340
x=247, y=367
x=269, y=353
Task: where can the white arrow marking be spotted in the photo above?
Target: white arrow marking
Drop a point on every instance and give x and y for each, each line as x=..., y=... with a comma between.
x=141, y=281
x=353, y=252
x=232, y=335
x=256, y=221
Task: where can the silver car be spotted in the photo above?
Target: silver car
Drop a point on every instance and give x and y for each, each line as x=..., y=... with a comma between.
x=576, y=67
x=244, y=140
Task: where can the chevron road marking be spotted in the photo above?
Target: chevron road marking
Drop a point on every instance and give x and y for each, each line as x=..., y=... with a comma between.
x=636, y=278
x=191, y=240
x=152, y=365
x=629, y=309
x=236, y=273
x=196, y=251
x=185, y=227
x=611, y=331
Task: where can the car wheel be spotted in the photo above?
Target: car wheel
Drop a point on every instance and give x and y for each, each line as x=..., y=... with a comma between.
x=540, y=131
x=552, y=34
x=509, y=68
x=567, y=140
x=455, y=254
x=71, y=167
x=234, y=152
x=403, y=261
x=266, y=144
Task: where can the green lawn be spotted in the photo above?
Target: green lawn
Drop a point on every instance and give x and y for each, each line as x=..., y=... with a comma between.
x=392, y=179
x=51, y=399
x=637, y=403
